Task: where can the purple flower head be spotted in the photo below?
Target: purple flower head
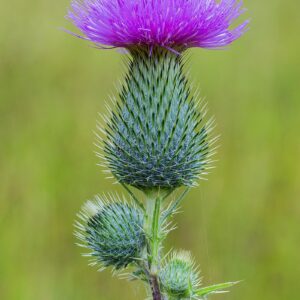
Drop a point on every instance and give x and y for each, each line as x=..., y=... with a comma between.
x=167, y=23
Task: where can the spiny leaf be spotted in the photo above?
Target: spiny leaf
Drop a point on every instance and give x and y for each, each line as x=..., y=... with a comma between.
x=173, y=206
x=214, y=289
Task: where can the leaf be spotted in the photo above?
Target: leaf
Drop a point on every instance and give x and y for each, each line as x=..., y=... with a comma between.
x=215, y=289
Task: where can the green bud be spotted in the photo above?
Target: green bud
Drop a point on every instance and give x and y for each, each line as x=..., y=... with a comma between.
x=179, y=277
x=113, y=230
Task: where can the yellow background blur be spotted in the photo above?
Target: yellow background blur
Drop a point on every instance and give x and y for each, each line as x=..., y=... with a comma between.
x=244, y=223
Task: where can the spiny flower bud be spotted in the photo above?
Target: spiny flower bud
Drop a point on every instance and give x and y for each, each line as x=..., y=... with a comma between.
x=113, y=230
x=179, y=277
x=156, y=137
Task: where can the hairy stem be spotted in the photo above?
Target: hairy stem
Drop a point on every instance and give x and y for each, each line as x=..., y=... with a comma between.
x=153, y=230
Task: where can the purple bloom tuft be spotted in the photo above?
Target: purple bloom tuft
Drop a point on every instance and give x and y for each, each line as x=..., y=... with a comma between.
x=167, y=23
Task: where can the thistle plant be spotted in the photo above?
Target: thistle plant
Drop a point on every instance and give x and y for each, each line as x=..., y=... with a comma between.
x=155, y=139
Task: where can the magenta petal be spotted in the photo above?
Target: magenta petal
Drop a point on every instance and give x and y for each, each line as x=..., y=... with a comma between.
x=166, y=23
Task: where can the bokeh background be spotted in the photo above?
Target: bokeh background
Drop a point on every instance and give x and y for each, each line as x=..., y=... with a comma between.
x=244, y=223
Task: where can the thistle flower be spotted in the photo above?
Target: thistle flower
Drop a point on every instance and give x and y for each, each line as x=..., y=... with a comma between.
x=165, y=23
x=157, y=137
x=113, y=230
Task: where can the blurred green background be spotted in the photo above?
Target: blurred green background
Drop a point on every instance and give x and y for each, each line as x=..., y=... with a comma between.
x=244, y=223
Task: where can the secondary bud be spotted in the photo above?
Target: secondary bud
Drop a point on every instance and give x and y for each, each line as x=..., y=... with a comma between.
x=113, y=231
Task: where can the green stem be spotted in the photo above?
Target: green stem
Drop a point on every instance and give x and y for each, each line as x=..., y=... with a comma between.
x=155, y=236
x=153, y=230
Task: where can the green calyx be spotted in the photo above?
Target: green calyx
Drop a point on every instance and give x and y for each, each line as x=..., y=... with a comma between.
x=156, y=137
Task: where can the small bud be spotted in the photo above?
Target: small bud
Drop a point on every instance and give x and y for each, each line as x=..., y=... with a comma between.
x=179, y=277
x=113, y=231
